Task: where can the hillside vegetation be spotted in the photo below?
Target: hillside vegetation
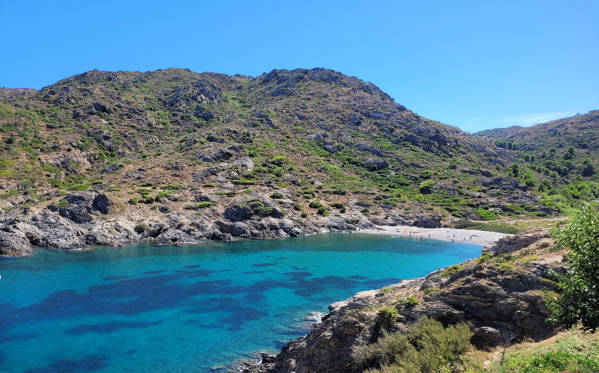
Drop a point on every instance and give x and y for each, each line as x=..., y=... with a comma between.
x=330, y=141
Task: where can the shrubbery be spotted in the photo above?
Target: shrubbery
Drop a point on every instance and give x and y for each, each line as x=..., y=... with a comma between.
x=427, y=347
x=579, y=300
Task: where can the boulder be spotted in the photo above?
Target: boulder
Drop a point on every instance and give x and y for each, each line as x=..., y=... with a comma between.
x=101, y=203
x=486, y=337
x=14, y=244
x=374, y=164
x=78, y=214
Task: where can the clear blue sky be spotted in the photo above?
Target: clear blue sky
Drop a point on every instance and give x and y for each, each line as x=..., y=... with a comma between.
x=472, y=64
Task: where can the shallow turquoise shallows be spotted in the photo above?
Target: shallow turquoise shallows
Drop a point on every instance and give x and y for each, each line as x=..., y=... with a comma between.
x=190, y=309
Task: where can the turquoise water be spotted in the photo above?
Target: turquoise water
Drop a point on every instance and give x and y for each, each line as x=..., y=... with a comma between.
x=173, y=309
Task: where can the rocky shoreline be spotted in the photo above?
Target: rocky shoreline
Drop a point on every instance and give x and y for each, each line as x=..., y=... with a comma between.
x=503, y=303
x=83, y=220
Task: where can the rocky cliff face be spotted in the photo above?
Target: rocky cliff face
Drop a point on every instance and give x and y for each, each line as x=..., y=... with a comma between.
x=500, y=294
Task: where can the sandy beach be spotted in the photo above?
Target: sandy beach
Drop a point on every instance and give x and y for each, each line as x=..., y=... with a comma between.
x=444, y=234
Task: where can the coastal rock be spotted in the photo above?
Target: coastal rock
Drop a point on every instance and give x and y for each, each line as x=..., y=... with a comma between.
x=78, y=214
x=14, y=244
x=101, y=203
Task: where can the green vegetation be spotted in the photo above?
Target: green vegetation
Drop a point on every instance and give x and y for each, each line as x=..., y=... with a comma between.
x=426, y=347
x=579, y=288
x=410, y=301
x=451, y=270
x=570, y=353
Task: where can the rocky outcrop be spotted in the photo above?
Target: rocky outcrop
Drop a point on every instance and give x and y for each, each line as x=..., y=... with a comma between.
x=512, y=243
x=14, y=244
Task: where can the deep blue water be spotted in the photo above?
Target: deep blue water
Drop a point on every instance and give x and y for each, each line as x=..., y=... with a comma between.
x=173, y=309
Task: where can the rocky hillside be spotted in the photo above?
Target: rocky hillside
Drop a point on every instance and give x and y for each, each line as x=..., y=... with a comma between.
x=557, y=159
x=177, y=156
x=500, y=294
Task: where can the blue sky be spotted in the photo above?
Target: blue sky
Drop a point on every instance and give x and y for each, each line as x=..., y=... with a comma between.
x=471, y=64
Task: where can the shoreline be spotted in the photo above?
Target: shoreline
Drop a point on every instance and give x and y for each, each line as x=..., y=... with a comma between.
x=470, y=236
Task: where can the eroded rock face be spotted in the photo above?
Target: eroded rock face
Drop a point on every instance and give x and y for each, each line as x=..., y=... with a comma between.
x=258, y=206
x=14, y=244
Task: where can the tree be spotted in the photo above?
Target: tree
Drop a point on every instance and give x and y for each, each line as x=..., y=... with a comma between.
x=587, y=168
x=579, y=287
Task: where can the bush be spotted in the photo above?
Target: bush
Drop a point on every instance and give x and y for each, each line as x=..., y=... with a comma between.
x=579, y=300
x=426, y=187
x=315, y=205
x=385, y=319
x=426, y=347
x=410, y=301
x=205, y=204
x=486, y=214
x=449, y=271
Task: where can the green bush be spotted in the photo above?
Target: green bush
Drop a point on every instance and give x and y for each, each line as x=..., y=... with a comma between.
x=79, y=187
x=426, y=187
x=579, y=288
x=486, y=214
x=385, y=319
x=141, y=228
x=426, y=347
x=449, y=271
x=316, y=204
x=410, y=301
x=204, y=204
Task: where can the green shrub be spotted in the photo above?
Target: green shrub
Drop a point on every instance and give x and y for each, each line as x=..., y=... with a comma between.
x=316, y=204
x=451, y=270
x=410, y=301
x=426, y=347
x=276, y=195
x=486, y=214
x=204, y=204
x=385, y=319
x=323, y=211
x=579, y=300
x=79, y=187
x=426, y=187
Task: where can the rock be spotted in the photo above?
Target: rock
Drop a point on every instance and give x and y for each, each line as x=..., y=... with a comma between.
x=259, y=206
x=373, y=164
x=78, y=214
x=512, y=243
x=101, y=203
x=84, y=199
x=244, y=164
x=156, y=229
x=486, y=337
x=14, y=244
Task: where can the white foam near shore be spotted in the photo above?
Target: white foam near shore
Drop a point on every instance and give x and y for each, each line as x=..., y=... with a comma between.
x=444, y=234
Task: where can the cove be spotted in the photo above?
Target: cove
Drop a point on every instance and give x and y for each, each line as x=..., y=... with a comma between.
x=190, y=309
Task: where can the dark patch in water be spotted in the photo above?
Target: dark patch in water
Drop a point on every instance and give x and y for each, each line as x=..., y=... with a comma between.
x=299, y=268
x=255, y=297
x=192, y=266
x=17, y=337
x=88, y=363
x=114, y=278
x=358, y=277
x=377, y=283
x=282, y=257
x=264, y=264
x=110, y=327
x=131, y=351
x=153, y=272
x=253, y=272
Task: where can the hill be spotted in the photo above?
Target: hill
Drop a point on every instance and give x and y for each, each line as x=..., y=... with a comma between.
x=559, y=159
x=176, y=156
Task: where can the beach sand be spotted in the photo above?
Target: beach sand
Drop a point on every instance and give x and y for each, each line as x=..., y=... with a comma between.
x=444, y=234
